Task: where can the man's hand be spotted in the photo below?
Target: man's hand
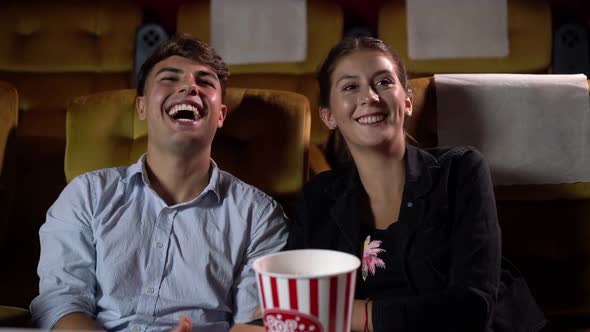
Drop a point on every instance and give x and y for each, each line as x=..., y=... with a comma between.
x=257, y=313
x=246, y=328
x=184, y=325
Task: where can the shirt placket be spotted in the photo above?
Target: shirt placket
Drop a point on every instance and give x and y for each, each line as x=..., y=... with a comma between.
x=158, y=256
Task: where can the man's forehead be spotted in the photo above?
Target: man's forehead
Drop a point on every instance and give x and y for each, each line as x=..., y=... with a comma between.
x=179, y=64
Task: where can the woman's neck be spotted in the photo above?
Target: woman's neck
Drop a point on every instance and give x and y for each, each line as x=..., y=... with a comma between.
x=383, y=178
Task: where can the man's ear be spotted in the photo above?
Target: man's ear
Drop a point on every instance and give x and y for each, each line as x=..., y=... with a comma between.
x=222, y=115
x=327, y=117
x=140, y=107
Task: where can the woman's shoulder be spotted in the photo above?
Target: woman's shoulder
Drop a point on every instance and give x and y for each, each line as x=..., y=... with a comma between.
x=460, y=165
x=330, y=182
x=446, y=155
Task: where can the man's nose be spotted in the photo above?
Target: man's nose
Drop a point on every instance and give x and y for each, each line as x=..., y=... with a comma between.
x=188, y=89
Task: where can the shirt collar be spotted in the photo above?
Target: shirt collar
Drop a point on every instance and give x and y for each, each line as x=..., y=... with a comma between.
x=213, y=186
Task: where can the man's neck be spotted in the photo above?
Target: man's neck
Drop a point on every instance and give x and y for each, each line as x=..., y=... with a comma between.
x=178, y=179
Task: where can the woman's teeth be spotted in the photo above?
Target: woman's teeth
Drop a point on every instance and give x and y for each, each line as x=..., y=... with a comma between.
x=371, y=119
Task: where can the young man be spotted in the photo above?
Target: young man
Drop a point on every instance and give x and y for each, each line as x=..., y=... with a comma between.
x=138, y=247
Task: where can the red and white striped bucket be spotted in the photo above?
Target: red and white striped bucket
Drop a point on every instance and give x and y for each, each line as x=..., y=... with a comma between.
x=307, y=290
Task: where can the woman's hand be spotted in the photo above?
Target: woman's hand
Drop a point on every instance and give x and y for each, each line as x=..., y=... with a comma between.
x=184, y=325
x=360, y=317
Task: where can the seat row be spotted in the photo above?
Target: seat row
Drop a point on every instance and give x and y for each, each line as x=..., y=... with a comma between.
x=265, y=141
x=67, y=54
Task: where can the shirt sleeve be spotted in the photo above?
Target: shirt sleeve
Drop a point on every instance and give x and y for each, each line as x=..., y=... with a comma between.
x=467, y=303
x=67, y=263
x=269, y=234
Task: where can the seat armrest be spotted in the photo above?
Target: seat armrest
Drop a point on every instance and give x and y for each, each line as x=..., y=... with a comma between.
x=14, y=317
x=8, y=115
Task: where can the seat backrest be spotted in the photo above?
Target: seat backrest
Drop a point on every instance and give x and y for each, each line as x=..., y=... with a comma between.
x=529, y=41
x=54, y=51
x=423, y=127
x=264, y=140
x=324, y=30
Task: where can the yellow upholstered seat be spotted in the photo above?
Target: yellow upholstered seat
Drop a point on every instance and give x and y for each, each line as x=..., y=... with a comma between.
x=529, y=35
x=264, y=140
x=324, y=30
x=9, y=316
x=52, y=51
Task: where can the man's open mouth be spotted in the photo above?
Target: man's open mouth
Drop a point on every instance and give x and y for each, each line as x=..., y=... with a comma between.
x=185, y=112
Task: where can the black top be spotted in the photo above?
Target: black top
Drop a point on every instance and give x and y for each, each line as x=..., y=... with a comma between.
x=448, y=238
x=385, y=279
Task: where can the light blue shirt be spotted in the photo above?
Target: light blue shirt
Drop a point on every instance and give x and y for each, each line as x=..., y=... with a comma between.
x=113, y=249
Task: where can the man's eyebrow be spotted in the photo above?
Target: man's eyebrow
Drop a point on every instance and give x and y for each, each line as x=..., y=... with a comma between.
x=169, y=69
x=206, y=73
x=199, y=73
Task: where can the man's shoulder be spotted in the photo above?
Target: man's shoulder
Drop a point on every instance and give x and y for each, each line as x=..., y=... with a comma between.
x=234, y=187
x=104, y=176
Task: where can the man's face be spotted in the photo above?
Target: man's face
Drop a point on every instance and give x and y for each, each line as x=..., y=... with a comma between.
x=182, y=106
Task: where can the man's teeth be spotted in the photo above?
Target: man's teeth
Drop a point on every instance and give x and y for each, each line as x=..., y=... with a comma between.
x=184, y=107
x=371, y=119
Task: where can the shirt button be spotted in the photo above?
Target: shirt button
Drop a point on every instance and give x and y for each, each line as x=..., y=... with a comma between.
x=159, y=245
x=151, y=290
x=410, y=204
x=136, y=328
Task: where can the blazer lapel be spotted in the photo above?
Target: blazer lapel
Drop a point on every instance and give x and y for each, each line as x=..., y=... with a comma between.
x=345, y=214
x=420, y=168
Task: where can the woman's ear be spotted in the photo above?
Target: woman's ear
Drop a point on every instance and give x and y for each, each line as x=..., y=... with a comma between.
x=409, y=103
x=328, y=118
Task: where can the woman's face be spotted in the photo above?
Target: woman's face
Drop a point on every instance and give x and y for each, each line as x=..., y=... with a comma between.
x=367, y=100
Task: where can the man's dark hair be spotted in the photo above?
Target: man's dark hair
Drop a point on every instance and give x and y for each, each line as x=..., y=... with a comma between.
x=189, y=47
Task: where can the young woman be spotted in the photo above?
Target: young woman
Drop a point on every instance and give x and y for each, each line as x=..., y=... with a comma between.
x=423, y=222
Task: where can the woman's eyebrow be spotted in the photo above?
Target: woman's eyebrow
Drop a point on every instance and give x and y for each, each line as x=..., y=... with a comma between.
x=381, y=72
x=346, y=77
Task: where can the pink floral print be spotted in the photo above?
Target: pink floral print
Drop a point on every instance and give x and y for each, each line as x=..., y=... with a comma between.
x=370, y=260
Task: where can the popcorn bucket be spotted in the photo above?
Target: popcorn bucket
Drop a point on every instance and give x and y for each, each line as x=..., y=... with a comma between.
x=307, y=290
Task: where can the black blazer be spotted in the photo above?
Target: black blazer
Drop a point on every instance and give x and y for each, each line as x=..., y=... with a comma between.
x=450, y=241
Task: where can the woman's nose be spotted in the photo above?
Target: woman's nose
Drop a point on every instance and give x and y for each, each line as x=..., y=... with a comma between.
x=369, y=95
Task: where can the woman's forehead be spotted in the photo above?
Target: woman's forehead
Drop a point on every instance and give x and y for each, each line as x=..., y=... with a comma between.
x=364, y=61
